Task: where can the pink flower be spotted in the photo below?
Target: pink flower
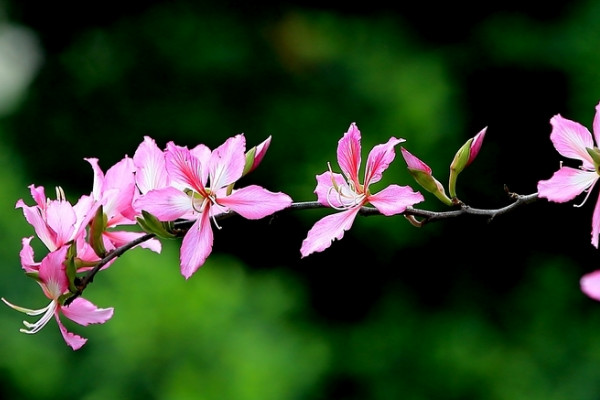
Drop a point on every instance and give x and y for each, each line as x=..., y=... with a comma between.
x=200, y=188
x=347, y=194
x=573, y=140
x=115, y=192
x=56, y=223
x=55, y=285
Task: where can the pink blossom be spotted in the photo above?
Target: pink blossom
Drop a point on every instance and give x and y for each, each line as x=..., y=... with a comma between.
x=55, y=285
x=200, y=188
x=115, y=192
x=573, y=140
x=347, y=194
x=56, y=223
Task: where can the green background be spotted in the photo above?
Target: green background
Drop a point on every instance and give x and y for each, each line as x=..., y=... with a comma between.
x=459, y=309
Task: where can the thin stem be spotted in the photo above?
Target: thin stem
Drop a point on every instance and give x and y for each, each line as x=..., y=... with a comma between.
x=426, y=216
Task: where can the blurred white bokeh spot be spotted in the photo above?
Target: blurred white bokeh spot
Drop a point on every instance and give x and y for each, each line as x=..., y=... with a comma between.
x=20, y=59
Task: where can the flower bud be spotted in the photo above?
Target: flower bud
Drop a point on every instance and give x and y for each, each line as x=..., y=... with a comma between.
x=423, y=175
x=464, y=156
x=255, y=155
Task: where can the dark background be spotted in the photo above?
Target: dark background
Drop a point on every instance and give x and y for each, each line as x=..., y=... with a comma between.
x=459, y=309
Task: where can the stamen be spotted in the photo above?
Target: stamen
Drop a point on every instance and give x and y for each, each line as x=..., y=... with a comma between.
x=36, y=327
x=589, y=191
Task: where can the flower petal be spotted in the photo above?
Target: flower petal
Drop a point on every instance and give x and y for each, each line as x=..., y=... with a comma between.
x=596, y=223
x=328, y=229
x=255, y=202
x=84, y=312
x=566, y=184
x=149, y=162
x=73, y=340
x=325, y=190
x=571, y=139
x=227, y=162
x=184, y=168
x=379, y=159
x=394, y=199
x=166, y=204
x=348, y=154
x=196, y=246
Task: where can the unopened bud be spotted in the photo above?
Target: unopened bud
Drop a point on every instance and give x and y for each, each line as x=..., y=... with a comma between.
x=424, y=177
x=464, y=156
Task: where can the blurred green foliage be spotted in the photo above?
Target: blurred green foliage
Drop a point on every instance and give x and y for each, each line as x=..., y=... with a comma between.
x=456, y=310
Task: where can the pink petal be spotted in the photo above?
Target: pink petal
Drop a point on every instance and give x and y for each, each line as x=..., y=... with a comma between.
x=184, y=168
x=85, y=312
x=39, y=195
x=348, y=153
x=596, y=125
x=566, y=184
x=255, y=202
x=328, y=229
x=149, y=162
x=53, y=274
x=379, y=159
x=596, y=223
x=166, y=204
x=196, y=246
x=98, y=178
x=590, y=284
x=41, y=228
x=571, y=140
x=227, y=162
x=61, y=218
x=74, y=341
x=414, y=163
x=120, y=238
x=26, y=254
x=325, y=194
x=394, y=199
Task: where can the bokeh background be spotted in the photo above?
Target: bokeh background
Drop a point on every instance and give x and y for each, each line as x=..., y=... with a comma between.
x=459, y=309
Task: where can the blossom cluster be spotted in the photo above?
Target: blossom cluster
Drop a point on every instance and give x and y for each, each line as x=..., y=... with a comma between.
x=184, y=192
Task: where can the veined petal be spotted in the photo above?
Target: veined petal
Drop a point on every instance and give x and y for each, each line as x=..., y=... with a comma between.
x=227, y=162
x=571, y=139
x=196, y=246
x=84, y=312
x=326, y=190
x=596, y=125
x=348, y=154
x=98, y=185
x=566, y=184
x=202, y=153
x=166, y=204
x=26, y=254
x=379, y=159
x=590, y=284
x=328, y=229
x=61, y=217
x=120, y=238
x=39, y=195
x=34, y=217
x=596, y=223
x=149, y=162
x=53, y=275
x=255, y=202
x=394, y=199
x=184, y=168
x=74, y=341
